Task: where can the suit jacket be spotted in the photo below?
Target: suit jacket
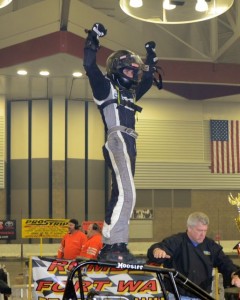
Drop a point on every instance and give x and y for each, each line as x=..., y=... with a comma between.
x=194, y=262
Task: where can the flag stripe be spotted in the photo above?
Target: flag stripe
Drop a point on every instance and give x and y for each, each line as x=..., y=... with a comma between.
x=225, y=146
x=223, y=157
x=237, y=147
x=232, y=145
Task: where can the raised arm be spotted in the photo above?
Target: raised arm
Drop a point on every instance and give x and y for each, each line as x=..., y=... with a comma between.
x=99, y=84
x=149, y=70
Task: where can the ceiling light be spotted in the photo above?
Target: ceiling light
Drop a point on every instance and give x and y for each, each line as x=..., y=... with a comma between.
x=167, y=5
x=136, y=3
x=44, y=73
x=4, y=3
x=77, y=74
x=185, y=11
x=201, y=6
x=22, y=72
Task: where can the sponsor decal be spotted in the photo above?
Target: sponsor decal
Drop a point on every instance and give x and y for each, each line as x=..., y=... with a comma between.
x=7, y=229
x=44, y=228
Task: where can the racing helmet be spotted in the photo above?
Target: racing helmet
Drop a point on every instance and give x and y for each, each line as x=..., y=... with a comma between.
x=124, y=59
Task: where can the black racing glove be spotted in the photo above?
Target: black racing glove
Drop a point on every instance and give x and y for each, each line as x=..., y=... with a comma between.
x=150, y=47
x=151, y=62
x=99, y=29
x=151, y=55
x=92, y=41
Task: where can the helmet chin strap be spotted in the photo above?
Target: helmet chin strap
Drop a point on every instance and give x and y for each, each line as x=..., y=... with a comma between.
x=125, y=86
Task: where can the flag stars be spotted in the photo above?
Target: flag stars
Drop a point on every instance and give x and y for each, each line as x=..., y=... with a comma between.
x=219, y=130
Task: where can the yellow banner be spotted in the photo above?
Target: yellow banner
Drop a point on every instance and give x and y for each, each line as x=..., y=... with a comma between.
x=44, y=228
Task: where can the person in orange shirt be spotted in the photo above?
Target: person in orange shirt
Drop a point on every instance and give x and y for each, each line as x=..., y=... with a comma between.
x=72, y=242
x=92, y=246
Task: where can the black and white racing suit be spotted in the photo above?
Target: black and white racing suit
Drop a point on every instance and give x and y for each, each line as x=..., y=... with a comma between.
x=118, y=110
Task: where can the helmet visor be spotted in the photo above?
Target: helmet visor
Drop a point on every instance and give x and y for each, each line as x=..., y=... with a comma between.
x=129, y=60
x=133, y=72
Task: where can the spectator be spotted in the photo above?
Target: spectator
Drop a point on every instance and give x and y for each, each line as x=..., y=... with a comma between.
x=194, y=255
x=72, y=242
x=92, y=246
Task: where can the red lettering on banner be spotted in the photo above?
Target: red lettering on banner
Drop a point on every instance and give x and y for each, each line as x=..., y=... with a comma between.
x=98, y=269
x=95, y=269
x=129, y=286
x=98, y=285
x=72, y=264
x=57, y=288
x=76, y=286
x=150, y=286
x=61, y=266
x=137, y=287
x=44, y=285
x=58, y=266
x=86, y=285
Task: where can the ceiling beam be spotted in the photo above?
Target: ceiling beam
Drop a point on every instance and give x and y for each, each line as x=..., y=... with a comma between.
x=177, y=38
x=64, y=15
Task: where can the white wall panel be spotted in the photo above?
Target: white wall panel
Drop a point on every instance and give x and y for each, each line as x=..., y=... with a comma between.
x=96, y=133
x=19, y=130
x=170, y=140
x=76, y=129
x=40, y=129
x=58, y=129
x=176, y=155
x=160, y=175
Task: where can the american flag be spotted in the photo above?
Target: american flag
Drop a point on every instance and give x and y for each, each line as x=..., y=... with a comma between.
x=225, y=143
